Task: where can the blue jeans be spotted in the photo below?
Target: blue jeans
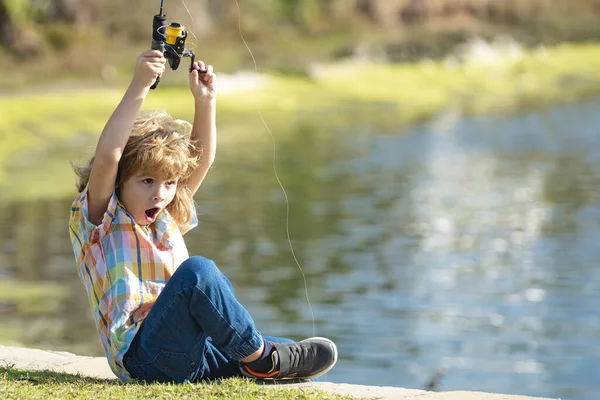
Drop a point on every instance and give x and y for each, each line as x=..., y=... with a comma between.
x=196, y=330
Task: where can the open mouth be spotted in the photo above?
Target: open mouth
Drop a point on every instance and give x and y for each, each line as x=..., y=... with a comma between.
x=151, y=214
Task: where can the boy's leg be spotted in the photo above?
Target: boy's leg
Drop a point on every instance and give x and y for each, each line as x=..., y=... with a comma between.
x=197, y=302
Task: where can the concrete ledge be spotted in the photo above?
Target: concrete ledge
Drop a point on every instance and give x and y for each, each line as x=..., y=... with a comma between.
x=97, y=367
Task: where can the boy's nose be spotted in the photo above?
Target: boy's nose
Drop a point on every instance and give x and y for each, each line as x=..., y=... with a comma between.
x=160, y=194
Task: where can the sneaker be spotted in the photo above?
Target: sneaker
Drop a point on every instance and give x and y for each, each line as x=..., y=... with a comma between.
x=307, y=359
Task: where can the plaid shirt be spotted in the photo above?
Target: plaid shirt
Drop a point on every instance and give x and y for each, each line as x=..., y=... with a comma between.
x=124, y=267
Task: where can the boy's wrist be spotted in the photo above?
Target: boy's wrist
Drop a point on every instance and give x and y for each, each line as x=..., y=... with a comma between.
x=137, y=89
x=139, y=84
x=205, y=103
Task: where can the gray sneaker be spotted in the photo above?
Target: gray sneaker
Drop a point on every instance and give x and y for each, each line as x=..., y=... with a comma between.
x=309, y=358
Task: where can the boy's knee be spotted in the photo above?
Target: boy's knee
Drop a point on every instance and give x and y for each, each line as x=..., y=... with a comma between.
x=198, y=268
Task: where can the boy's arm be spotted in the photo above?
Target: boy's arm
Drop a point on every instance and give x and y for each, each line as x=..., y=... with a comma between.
x=115, y=134
x=204, y=136
x=204, y=130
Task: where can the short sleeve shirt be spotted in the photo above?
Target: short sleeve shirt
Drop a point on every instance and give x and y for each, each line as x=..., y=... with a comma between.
x=124, y=267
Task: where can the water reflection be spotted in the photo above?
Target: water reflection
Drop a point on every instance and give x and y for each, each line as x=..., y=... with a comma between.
x=468, y=244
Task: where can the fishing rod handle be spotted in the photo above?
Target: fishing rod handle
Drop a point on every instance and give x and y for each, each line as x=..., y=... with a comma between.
x=159, y=23
x=160, y=46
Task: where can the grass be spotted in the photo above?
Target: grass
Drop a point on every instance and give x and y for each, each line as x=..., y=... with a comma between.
x=45, y=128
x=23, y=384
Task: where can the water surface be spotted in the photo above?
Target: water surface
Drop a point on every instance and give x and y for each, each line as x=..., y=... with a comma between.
x=468, y=245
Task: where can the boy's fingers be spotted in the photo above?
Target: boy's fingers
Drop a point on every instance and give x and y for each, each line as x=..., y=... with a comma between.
x=153, y=53
x=157, y=66
x=156, y=59
x=210, y=75
x=206, y=72
x=197, y=67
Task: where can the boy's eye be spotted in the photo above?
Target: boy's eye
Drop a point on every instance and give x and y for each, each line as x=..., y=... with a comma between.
x=148, y=181
x=171, y=183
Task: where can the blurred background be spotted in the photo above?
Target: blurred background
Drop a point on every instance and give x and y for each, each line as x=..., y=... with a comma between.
x=441, y=159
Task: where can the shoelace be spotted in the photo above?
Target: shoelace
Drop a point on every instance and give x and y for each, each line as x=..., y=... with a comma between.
x=301, y=357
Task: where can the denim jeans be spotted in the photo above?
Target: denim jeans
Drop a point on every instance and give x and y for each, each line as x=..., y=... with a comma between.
x=197, y=330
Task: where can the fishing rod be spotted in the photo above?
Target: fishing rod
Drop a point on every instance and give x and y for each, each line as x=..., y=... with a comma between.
x=170, y=42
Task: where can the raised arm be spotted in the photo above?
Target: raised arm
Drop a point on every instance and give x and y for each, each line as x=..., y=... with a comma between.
x=204, y=130
x=115, y=134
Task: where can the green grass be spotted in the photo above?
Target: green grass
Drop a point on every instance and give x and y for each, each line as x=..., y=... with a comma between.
x=43, y=129
x=22, y=384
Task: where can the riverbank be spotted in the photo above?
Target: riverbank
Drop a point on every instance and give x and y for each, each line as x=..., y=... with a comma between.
x=52, y=126
x=95, y=370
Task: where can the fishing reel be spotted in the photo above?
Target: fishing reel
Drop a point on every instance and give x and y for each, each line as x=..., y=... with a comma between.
x=171, y=42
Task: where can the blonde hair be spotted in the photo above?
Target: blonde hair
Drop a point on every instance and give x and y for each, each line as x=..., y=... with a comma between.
x=158, y=145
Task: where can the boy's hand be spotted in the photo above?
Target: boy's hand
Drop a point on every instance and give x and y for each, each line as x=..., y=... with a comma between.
x=149, y=65
x=203, y=85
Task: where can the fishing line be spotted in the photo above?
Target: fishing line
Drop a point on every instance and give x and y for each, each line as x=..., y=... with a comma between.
x=191, y=31
x=287, y=202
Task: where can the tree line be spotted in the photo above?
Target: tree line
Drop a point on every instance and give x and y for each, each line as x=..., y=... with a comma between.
x=22, y=21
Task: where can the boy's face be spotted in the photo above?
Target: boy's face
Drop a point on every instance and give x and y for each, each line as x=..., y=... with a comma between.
x=145, y=196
